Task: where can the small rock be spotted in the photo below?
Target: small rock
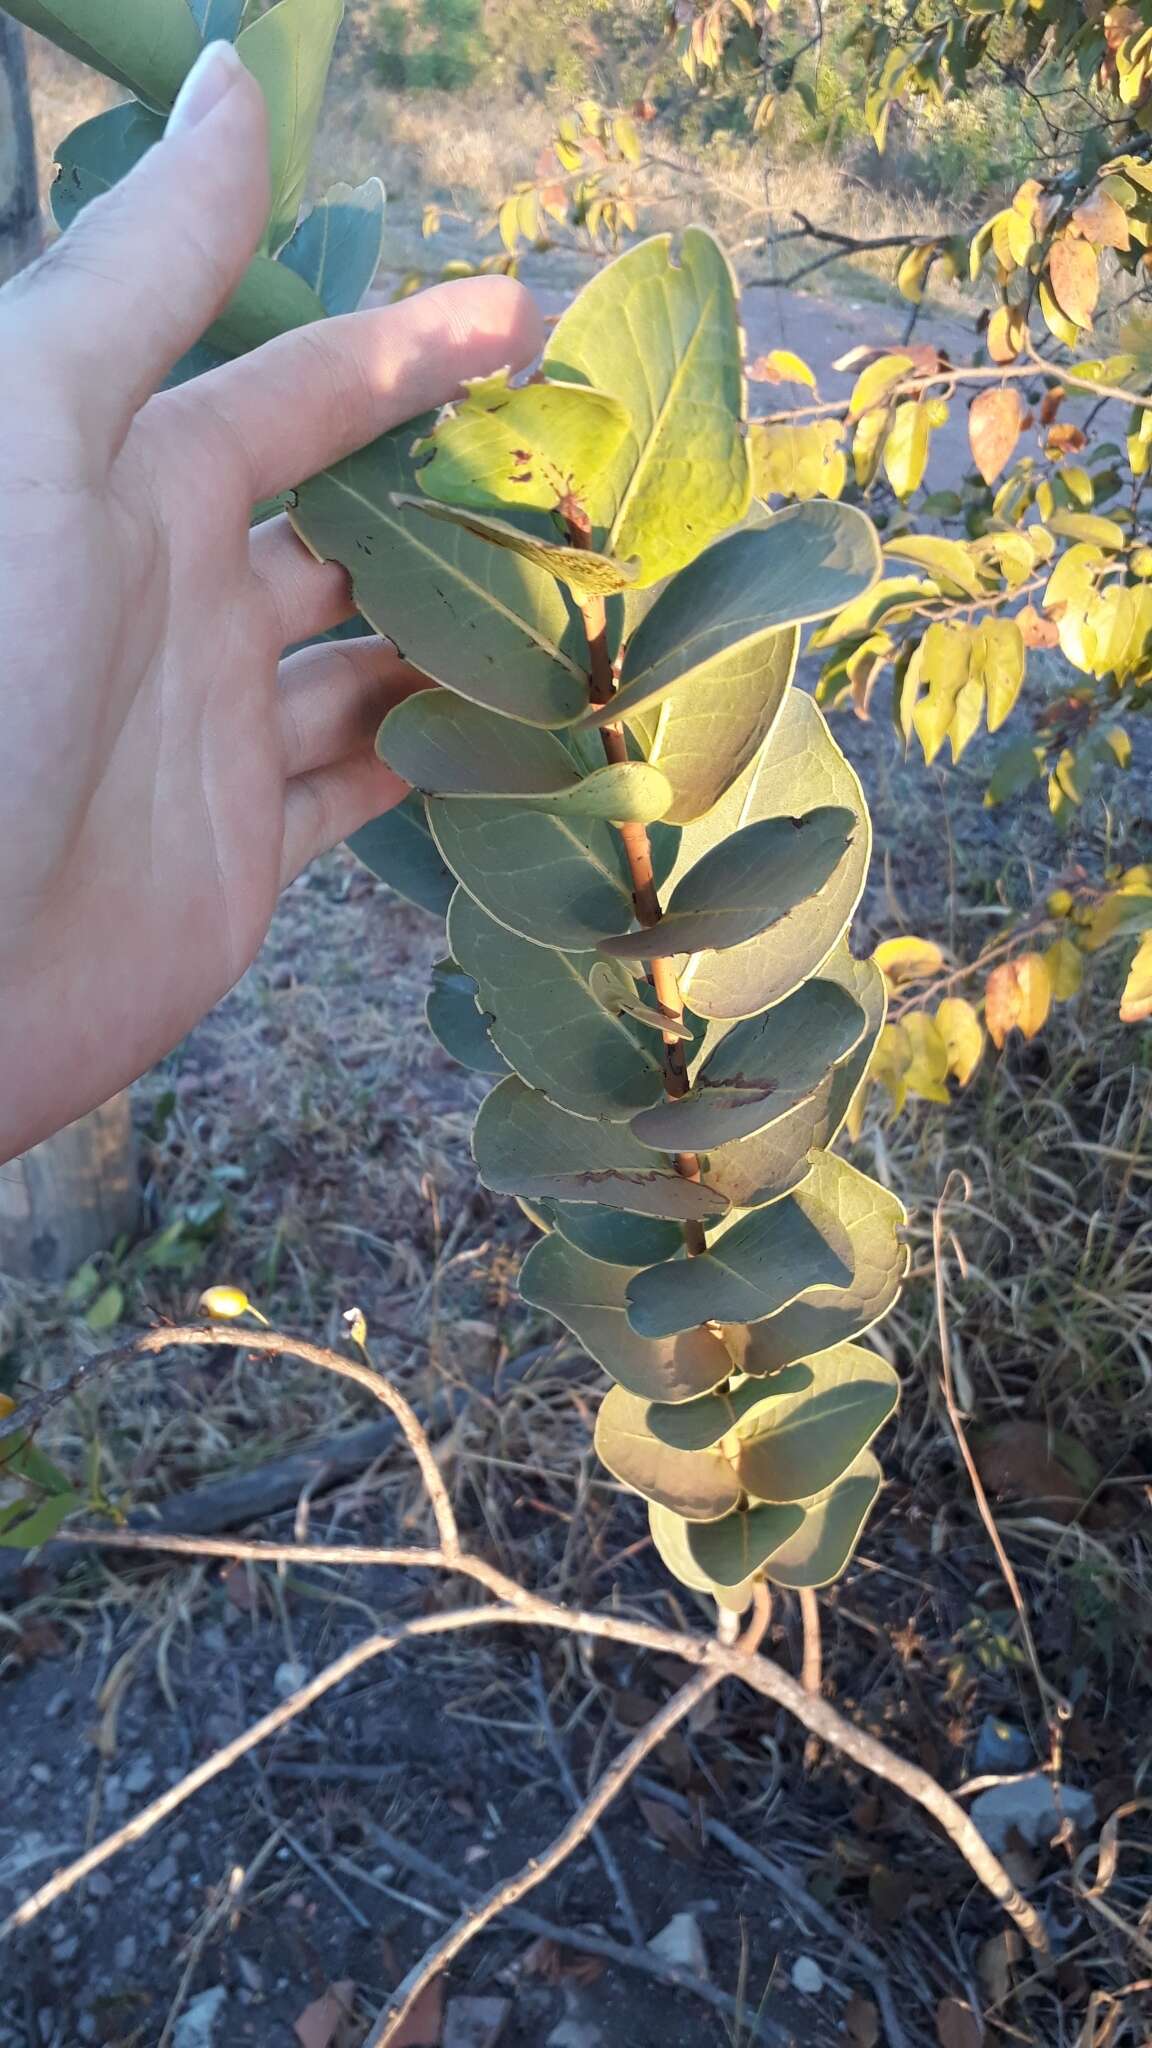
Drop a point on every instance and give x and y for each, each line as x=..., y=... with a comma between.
x=196, y=2027
x=807, y=1976
x=124, y=1954
x=59, y=1705
x=46, y=2021
x=251, y=1972
x=40, y=1774
x=115, y=1797
x=66, y=1947
x=1033, y=1807
x=165, y=1871
x=174, y=1892
x=140, y=1774
x=86, y=2027
x=575, y=2034
x=99, y=1884
x=1001, y=1748
x=289, y=1677
x=682, y=1943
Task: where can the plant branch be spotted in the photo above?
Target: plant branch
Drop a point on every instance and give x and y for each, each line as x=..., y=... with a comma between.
x=600, y=1842
x=951, y=374
x=509, y=1891
x=518, y=1604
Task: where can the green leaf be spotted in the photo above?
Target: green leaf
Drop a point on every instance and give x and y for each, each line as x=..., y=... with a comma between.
x=823, y=1545
x=336, y=248
x=862, y=1222
x=98, y=154
x=759, y=1265
x=759, y=1169
x=107, y=1308
x=587, y=1296
x=614, y=1236
x=703, y=739
x=742, y=886
x=524, y=1145
x=146, y=45
x=551, y=1024
x=288, y=51
x=539, y=445
x=400, y=849
x=557, y=881
x=663, y=337
x=446, y=746
x=24, y=1524
x=584, y=571
x=762, y=1069
x=713, y=622
x=794, y=1445
x=488, y=625
x=218, y=20
x=800, y=769
x=698, y=1483
x=1018, y=765
x=269, y=300
x=455, y=1021
x=731, y=1550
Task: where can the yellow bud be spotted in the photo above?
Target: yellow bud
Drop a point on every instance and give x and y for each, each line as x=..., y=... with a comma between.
x=225, y=1304
x=937, y=412
x=357, y=1326
x=1141, y=561
x=1061, y=903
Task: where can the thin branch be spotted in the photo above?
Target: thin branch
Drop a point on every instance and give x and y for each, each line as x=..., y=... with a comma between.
x=812, y=1673
x=1057, y=1710
x=997, y=373
x=600, y=1842
x=509, y=1891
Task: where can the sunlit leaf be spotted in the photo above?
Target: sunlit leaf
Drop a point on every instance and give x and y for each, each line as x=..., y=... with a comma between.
x=1017, y=997
x=963, y=1037
x=288, y=50
x=995, y=422
x=538, y=445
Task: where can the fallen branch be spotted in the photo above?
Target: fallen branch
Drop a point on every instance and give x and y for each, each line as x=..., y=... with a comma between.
x=600, y=1842
x=514, y=1604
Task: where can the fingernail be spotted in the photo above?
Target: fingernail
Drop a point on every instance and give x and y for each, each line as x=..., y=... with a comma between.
x=212, y=76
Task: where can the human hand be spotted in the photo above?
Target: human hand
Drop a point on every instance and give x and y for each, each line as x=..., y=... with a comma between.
x=164, y=773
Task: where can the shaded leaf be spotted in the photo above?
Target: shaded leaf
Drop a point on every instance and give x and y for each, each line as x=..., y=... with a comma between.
x=729, y=1551
x=524, y=1145
x=455, y=1021
x=446, y=746
x=589, y=1297
x=400, y=849
x=616, y=1238
x=557, y=881
x=539, y=445
x=761, y=1263
x=663, y=337
x=336, y=248
x=98, y=154
x=957, y=2026
x=288, y=51
x=1065, y=964
x=742, y=886
x=830, y=1531
x=146, y=45
x=702, y=739
x=762, y=1069
x=714, y=618
x=544, y=1013
x=861, y=1222
x=439, y=593
x=995, y=421
x=800, y=767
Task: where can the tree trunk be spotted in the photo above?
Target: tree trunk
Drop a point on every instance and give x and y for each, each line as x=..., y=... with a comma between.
x=72, y=1195
x=75, y=1193
x=19, y=200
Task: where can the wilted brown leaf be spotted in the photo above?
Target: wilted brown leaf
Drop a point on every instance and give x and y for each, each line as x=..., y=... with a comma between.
x=1051, y=402
x=1017, y=997
x=1025, y=1461
x=328, y=2021
x=1074, y=274
x=1065, y=438
x=423, y=2027
x=994, y=1961
x=1102, y=220
x=861, y=2022
x=957, y=2026
x=545, y=1958
x=995, y=420
x=670, y=1828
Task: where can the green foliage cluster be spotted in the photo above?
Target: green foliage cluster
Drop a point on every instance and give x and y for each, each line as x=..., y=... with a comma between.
x=647, y=845
x=442, y=45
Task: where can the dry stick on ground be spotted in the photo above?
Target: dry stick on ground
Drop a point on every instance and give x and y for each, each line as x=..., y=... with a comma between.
x=518, y=1606
x=509, y=1891
x=812, y=1667
x=600, y=1842
x=1057, y=1710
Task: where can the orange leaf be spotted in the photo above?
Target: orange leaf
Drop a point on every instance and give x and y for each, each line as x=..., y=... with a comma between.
x=1102, y=220
x=995, y=420
x=1035, y=629
x=325, y=2023
x=1006, y=331
x=1018, y=997
x=1074, y=274
x=424, y=2024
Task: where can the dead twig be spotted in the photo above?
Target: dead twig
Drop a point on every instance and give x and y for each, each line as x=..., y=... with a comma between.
x=600, y=1842
x=509, y=1891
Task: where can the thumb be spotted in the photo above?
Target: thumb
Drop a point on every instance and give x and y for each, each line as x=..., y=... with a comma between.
x=146, y=268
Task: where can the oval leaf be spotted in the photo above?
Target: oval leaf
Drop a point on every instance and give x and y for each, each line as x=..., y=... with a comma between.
x=763, y=1262
x=400, y=849
x=539, y=445
x=995, y=421
x=556, y=881
x=794, y=1445
x=831, y=1529
x=456, y=1023
x=524, y=1145
x=587, y=1296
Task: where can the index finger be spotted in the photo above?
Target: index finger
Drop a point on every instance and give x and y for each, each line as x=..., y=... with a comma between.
x=313, y=396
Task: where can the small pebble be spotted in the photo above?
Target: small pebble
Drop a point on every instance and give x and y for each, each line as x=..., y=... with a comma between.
x=807, y=1976
x=162, y=1934
x=288, y=1678
x=165, y=1871
x=46, y=2021
x=99, y=1884
x=40, y=1774
x=66, y=1947
x=124, y=1953
x=86, y=2027
x=139, y=1775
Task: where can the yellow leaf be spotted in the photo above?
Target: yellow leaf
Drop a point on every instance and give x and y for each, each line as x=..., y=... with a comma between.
x=963, y=1036
x=1136, y=1002
x=907, y=959
x=867, y=444
x=906, y=449
x=782, y=366
x=913, y=271
x=942, y=671
x=508, y=222
x=626, y=138
x=1065, y=964
x=926, y=1074
x=875, y=383
x=998, y=660
x=890, y=1062
x=1018, y=997
x=995, y=419
x=1074, y=274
